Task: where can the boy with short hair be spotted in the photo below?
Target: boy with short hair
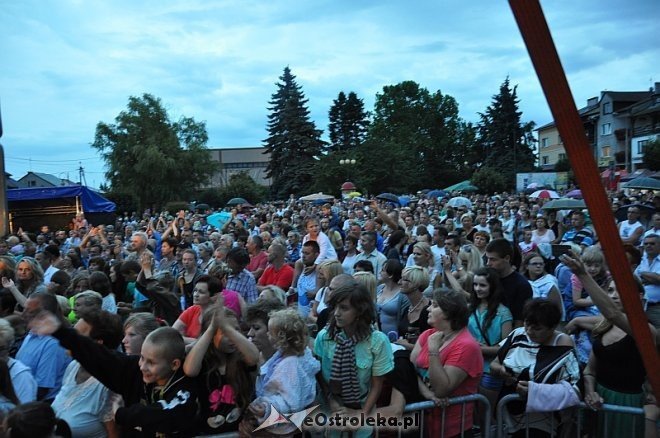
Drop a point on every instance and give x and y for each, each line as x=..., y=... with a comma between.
x=159, y=398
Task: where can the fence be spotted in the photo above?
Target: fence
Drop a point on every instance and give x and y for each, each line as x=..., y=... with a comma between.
x=575, y=426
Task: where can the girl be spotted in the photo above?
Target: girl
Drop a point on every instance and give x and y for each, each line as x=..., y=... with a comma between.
x=392, y=305
x=136, y=329
x=287, y=381
x=544, y=285
x=189, y=323
x=325, y=273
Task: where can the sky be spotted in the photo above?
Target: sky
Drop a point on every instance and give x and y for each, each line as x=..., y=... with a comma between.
x=70, y=64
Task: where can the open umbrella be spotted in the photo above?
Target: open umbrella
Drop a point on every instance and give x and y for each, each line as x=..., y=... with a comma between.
x=201, y=207
x=459, y=201
x=576, y=194
x=643, y=182
x=564, y=204
x=436, y=194
x=646, y=212
x=218, y=220
x=317, y=197
x=463, y=186
x=545, y=194
x=237, y=201
x=389, y=197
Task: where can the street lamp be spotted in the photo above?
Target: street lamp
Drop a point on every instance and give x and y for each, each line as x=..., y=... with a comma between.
x=347, y=161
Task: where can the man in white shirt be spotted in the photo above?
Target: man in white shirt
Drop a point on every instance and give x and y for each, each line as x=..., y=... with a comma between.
x=45, y=259
x=370, y=253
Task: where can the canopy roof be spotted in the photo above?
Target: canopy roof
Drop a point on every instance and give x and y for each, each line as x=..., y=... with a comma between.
x=91, y=201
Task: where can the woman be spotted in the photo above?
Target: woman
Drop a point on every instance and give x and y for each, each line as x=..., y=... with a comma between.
x=466, y=262
x=258, y=314
x=544, y=285
x=368, y=280
x=395, y=243
x=524, y=222
x=615, y=373
x=350, y=254
x=206, y=259
x=224, y=360
x=71, y=263
x=414, y=280
x=136, y=329
x=449, y=361
x=481, y=239
x=392, y=305
x=354, y=357
x=537, y=353
x=29, y=277
x=467, y=223
x=324, y=275
x=189, y=323
x=423, y=256
x=99, y=282
x=542, y=234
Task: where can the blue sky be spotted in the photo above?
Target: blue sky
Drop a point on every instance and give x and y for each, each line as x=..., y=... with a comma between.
x=68, y=64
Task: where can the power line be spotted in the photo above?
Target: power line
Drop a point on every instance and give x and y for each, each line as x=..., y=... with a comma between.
x=52, y=161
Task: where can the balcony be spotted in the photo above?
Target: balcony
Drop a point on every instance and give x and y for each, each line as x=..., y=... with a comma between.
x=646, y=130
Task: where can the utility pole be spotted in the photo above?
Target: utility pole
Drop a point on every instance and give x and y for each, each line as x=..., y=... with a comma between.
x=3, y=189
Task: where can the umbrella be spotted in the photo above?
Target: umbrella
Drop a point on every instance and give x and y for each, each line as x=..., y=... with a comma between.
x=218, y=220
x=643, y=182
x=534, y=186
x=201, y=207
x=436, y=194
x=317, y=197
x=354, y=195
x=404, y=201
x=564, y=204
x=545, y=194
x=646, y=212
x=463, y=186
x=577, y=194
x=389, y=197
x=237, y=201
x=460, y=201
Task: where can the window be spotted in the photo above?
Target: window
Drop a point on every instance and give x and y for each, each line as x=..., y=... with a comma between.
x=606, y=129
x=544, y=160
x=641, y=145
x=562, y=156
x=607, y=108
x=544, y=142
x=607, y=151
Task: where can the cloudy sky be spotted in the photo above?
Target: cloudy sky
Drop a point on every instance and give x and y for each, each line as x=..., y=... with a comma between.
x=68, y=64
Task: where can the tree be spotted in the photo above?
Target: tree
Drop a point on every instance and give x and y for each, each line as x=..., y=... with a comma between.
x=489, y=180
x=414, y=140
x=651, y=157
x=348, y=122
x=506, y=144
x=151, y=159
x=242, y=185
x=293, y=141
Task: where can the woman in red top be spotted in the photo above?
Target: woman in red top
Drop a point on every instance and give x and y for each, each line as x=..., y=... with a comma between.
x=189, y=323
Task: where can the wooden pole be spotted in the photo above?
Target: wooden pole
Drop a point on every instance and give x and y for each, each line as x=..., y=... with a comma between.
x=542, y=51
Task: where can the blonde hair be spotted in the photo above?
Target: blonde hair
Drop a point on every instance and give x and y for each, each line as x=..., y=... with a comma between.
x=273, y=292
x=290, y=331
x=417, y=276
x=471, y=256
x=426, y=249
x=330, y=269
x=368, y=280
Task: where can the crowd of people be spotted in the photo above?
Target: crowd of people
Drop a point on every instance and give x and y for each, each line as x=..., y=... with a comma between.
x=165, y=325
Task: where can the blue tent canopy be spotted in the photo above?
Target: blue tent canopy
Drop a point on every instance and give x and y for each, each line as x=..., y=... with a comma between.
x=91, y=201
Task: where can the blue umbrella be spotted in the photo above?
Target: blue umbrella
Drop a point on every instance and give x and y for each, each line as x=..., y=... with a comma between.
x=404, y=201
x=436, y=194
x=218, y=220
x=389, y=197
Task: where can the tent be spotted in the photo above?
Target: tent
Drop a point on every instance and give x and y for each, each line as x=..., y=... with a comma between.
x=55, y=206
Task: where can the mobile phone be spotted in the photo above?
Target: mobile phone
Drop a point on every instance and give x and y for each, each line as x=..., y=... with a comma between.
x=558, y=250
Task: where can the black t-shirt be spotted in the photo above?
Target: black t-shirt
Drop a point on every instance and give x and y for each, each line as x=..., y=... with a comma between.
x=517, y=291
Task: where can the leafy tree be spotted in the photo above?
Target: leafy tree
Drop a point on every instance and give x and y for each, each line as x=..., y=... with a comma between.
x=505, y=144
x=293, y=141
x=414, y=140
x=563, y=165
x=651, y=157
x=151, y=159
x=489, y=180
x=348, y=122
x=242, y=185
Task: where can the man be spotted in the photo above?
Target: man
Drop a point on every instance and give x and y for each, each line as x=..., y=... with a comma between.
x=426, y=221
x=241, y=280
x=258, y=257
x=440, y=233
x=631, y=229
x=306, y=284
x=578, y=232
x=43, y=354
x=138, y=246
x=46, y=260
x=293, y=247
x=654, y=226
x=649, y=272
x=370, y=226
x=277, y=273
x=370, y=253
x=168, y=261
x=333, y=235
x=516, y=289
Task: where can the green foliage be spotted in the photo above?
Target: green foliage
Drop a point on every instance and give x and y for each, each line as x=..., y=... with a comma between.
x=293, y=140
x=348, y=122
x=490, y=180
x=175, y=206
x=150, y=158
x=651, y=157
x=416, y=140
x=242, y=185
x=506, y=144
x=563, y=165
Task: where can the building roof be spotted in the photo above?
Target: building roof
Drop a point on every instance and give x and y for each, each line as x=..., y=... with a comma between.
x=50, y=179
x=582, y=112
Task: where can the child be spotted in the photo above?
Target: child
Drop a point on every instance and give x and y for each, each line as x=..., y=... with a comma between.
x=159, y=398
x=527, y=246
x=287, y=381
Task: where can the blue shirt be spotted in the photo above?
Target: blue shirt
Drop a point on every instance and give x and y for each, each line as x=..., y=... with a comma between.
x=46, y=359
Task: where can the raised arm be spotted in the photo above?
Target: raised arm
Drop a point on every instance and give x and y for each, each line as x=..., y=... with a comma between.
x=387, y=220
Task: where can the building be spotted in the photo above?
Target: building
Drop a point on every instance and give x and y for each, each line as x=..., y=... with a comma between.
x=251, y=160
x=609, y=123
x=37, y=179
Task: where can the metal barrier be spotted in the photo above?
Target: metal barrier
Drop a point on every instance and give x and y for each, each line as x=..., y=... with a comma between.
x=626, y=410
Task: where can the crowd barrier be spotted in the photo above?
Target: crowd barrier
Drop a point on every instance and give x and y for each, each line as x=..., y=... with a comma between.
x=575, y=427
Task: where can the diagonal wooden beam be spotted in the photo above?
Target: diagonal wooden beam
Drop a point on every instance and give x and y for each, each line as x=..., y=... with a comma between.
x=542, y=51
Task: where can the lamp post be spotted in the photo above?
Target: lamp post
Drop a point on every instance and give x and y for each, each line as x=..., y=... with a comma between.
x=348, y=163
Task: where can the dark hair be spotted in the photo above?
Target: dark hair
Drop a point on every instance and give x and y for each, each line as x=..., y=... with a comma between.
x=371, y=235
x=495, y=293
x=62, y=279
x=364, y=265
x=541, y=311
x=99, y=282
x=312, y=244
x=395, y=238
x=106, y=327
x=634, y=253
x=352, y=238
x=6, y=384
x=172, y=242
x=130, y=266
x=394, y=268
x=501, y=247
x=7, y=302
x=360, y=299
x=240, y=256
x=261, y=309
x=51, y=252
x=75, y=258
x=454, y=305
x=258, y=241
x=212, y=282
x=31, y=420
x=98, y=260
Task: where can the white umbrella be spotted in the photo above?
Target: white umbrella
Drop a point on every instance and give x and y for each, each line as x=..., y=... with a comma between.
x=317, y=197
x=460, y=201
x=545, y=194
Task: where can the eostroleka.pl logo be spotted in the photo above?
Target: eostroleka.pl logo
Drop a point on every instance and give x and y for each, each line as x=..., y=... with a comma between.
x=338, y=422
